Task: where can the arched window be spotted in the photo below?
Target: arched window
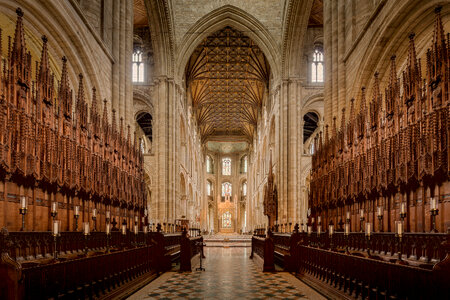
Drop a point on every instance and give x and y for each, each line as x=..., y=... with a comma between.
x=226, y=166
x=317, y=66
x=244, y=188
x=209, y=164
x=310, y=123
x=226, y=189
x=208, y=187
x=145, y=121
x=244, y=164
x=226, y=220
x=138, y=67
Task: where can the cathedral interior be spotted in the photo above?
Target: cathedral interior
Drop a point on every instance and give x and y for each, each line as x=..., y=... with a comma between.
x=224, y=149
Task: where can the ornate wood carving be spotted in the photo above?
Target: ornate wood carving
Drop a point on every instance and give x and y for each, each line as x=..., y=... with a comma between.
x=45, y=143
x=391, y=148
x=271, y=197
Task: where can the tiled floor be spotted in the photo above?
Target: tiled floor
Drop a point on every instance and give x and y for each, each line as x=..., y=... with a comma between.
x=230, y=274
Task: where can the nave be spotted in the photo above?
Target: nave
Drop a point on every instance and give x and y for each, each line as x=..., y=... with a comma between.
x=229, y=274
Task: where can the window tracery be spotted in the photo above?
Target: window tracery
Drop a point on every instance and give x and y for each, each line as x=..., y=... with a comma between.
x=137, y=67
x=317, y=66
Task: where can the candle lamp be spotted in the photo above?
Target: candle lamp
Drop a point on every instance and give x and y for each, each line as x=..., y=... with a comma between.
x=434, y=210
x=54, y=211
x=94, y=218
x=136, y=232
x=346, y=234
x=331, y=232
x=124, y=232
x=347, y=217
x=76, y=215
x=402, y=210
x=380, y=218
x=55, y=231
x=86, y=234
x=399, y=235
x=368, y=234
x=361, y=218
x=108, y=216
x=108, y=236
x=124, y=227
x=23, y=210
x=309, y=230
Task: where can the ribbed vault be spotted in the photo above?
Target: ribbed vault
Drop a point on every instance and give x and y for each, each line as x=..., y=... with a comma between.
x=227, y=76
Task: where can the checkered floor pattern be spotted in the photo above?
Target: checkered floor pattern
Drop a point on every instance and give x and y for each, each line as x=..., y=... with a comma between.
x=229, y=274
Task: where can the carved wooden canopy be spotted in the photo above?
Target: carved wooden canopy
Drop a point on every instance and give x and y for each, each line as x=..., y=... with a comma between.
x=227, y=76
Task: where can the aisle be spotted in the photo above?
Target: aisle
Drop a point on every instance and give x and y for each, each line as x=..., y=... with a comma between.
x=230, y=274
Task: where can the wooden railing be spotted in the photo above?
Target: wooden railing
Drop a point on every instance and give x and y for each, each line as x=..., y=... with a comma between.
x=363, y=278
x=415, y=267
x=264, y=248
x=190, y=247
x=84, y=266
x=26, y=246
x=86, y=277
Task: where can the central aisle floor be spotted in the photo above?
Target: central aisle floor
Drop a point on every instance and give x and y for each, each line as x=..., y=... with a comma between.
x=230, y=274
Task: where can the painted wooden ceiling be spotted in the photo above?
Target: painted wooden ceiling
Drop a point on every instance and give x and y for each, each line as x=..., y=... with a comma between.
x=316, y=16
x=140, y=14
x=227, y=76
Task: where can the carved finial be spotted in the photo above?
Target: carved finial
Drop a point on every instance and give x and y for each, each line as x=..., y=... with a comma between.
x=363, y=107
x=334, y=127
x=94, y=102
x=105, y=112
x=80, y=96
x=121, y=128
x=352, y=109
x=19, y=12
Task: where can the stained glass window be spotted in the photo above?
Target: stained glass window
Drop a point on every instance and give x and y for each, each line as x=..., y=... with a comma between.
x=226, y=220
x=317, y=66
x=226, y=189
x=137, y=67
x=226, y=166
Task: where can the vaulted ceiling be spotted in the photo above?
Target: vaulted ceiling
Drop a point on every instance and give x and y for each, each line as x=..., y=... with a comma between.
x=227, y=76
x=316, y=16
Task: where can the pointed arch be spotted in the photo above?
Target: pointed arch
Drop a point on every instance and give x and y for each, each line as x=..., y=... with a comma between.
x=294, y=30
x=227, y=15
x=161, y=31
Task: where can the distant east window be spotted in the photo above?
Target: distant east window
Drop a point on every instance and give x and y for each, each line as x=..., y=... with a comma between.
x=138, y=67
x=226, y=166
x=226, y=220
x=317, y=66
x=244, y=189
x=226, y=189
